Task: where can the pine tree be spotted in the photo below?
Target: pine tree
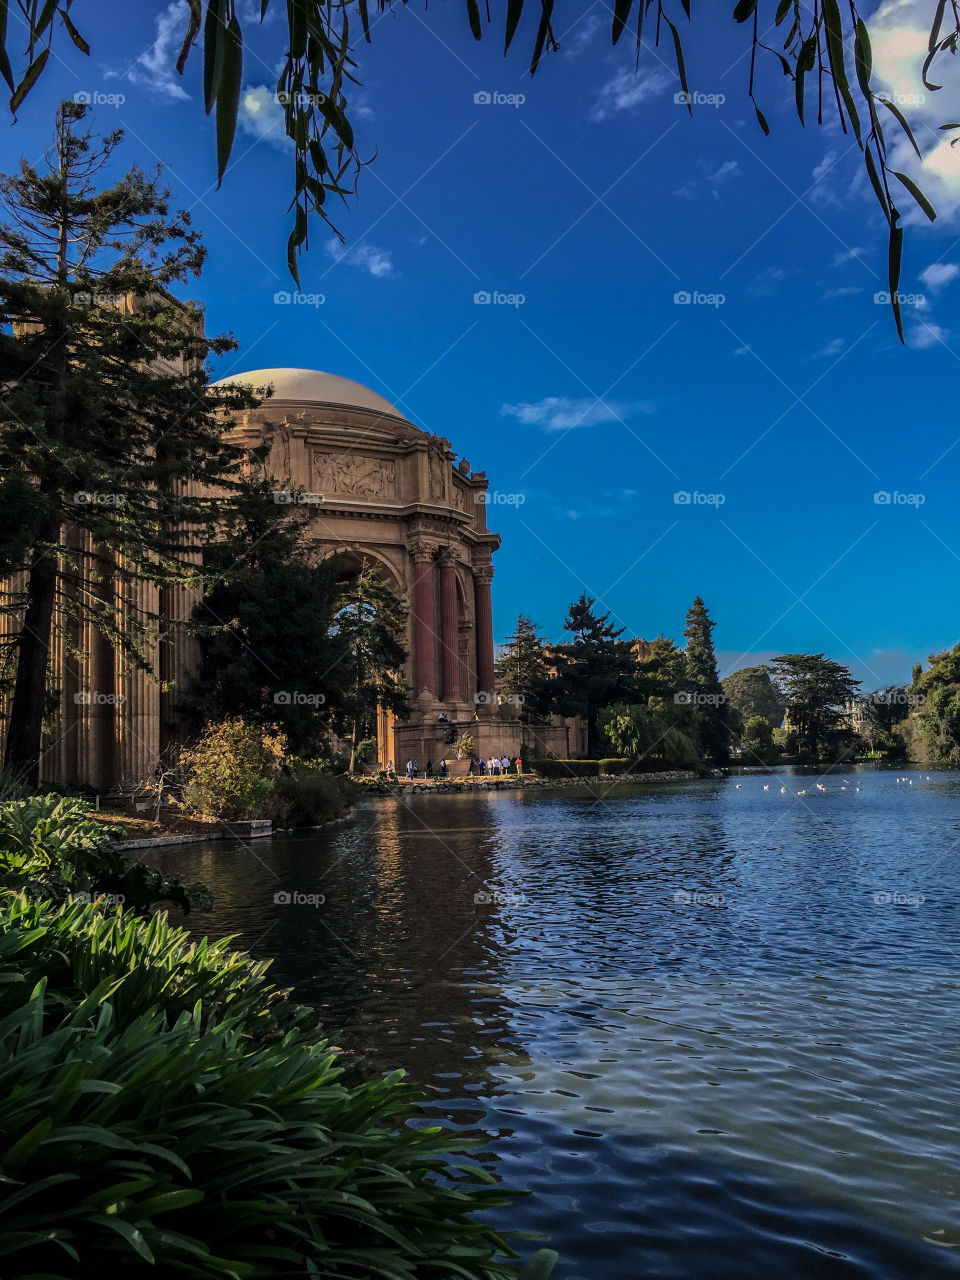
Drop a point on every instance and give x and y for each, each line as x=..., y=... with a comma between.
x=290, y=675
x=107, y=429
x=596, y=669
x=817, y=691
x=522, y=672
x=368, y=621
x=703, y=684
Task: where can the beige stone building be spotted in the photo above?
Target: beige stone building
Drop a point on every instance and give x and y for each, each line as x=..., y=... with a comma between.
x=381, y=491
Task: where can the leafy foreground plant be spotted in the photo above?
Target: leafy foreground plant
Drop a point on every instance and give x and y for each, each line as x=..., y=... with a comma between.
x=163, y=1109
x=51, y=849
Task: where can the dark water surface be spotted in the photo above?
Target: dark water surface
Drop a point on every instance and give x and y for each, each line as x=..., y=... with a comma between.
x=713, y=1030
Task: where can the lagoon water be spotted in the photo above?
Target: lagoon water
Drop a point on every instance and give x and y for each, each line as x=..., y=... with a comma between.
x=713, y=1030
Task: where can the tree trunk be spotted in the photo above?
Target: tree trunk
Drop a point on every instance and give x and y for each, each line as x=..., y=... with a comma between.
x=25, y=727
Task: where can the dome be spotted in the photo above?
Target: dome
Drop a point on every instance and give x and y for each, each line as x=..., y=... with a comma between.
x=315, y=386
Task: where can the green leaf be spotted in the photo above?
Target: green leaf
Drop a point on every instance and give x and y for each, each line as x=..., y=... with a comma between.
x=744, y=10
x=514, y=10
x=805, y=62
x=192, y=28
x=364, y=19
x=621, y=13
x=681, y=69
x=834, y=29
x=473, y=13
x=228, y=96
x=917, y=194
x=863, y=56
x=901, y=120
x=762, y=120
x=29, y=80
x=297, y=237
x=5, y=69
x=133, y=1237
x=783, y=8
x=894, y=254
x=875, y=182
x=214, y=34
x=539, y=1266
x=75, y=35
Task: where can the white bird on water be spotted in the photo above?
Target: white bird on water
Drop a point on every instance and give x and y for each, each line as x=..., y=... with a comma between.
x=766, y=786
x=784, y=791
x=737, y=786
x=801, y=793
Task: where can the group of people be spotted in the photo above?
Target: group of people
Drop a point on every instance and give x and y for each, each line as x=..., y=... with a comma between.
x=495, y=766
x=492, y=768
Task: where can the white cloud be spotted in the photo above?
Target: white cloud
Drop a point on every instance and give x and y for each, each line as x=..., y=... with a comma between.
x=367, y=257
x=628, y=89
x=845, y=291
x=899, y=31
x=582, y=34
x=766, y=282
x=558, y=413
x=261, y=115
x=923, y=335
x=848, y=255
x=832, y=348
x=729, y=169
x=156, y=68
x=939, y=273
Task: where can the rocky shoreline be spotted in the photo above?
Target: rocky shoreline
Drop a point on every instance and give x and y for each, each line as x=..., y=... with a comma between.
x=512, y=782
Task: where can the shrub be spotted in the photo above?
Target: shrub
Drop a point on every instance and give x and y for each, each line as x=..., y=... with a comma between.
x=231, y=771
x=306, y=797
x=50, y=848
x=465, y=747
x=366, y=750
x=615, y=765
x=566, y=768
x=166, y=1112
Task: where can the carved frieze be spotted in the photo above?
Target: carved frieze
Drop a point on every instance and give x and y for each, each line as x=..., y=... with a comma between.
x=355, y=476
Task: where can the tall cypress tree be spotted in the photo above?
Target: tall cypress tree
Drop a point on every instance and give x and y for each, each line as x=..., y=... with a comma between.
x=108, y=430
x=596, y=669
x=522, y=672
x=703, y=683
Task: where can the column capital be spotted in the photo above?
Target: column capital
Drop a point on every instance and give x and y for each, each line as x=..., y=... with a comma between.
x=422, y=551
x=448, y=556
x=483, y=573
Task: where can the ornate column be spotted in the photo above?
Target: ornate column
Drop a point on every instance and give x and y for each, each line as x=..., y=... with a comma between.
x=449, y=630
x=486, y=679
x=424, y=619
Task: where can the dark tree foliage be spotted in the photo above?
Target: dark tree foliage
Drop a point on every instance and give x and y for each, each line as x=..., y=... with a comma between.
x=703, y=684
x=751, y=692
x=523, y=673
x=595, y=669
x=817, y=691
x=108, y=428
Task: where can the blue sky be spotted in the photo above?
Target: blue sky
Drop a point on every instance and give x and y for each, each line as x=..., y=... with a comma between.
x=781, y=410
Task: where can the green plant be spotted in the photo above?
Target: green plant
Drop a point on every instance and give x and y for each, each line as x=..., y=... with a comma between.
x=231, y=771
x=166, y=1111
x=465, y=747
x=366, y=750
x=306, y=797
x=615, y=765
x=50, y=848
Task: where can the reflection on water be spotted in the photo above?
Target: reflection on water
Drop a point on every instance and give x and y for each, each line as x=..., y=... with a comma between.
x=712, y=1029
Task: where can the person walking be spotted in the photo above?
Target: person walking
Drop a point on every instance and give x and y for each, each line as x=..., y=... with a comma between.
x=519, y=766
x=416, y=768
x=409, y=768
x=443, y=768
x=505, y=764
x=481, y=767
x=429, y=769
x=493, y=766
